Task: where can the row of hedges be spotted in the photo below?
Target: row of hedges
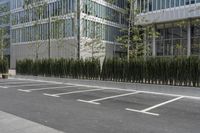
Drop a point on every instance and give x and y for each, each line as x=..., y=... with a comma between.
x=88, y=69
x=168, y=71
x=3, y=66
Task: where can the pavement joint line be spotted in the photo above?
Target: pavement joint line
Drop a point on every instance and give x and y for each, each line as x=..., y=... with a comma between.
x=74, y=92
x=119, y=89
x=48, y=88
x=143, y=112
x=161, y=104
x=29, y=85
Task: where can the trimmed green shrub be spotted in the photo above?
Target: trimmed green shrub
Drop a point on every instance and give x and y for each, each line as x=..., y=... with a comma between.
x=70, y=68
x=180, y=71
x=3, y=66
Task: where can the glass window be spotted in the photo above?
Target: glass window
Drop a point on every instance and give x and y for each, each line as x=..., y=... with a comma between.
x=154, y=5
x=167, y=3
x=182, y=2
x=158, y=4
x=172, y=3
x=163, y=4
x=150, y=5
x=177, y=3
x=192, y=1
x=187, y=2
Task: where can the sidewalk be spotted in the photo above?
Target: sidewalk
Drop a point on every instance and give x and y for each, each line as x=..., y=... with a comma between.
x=12, y=124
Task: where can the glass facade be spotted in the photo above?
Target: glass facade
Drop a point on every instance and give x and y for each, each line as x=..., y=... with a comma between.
x=195, y=37
x=40, y=31
x=153, y=5
x=57, y=8
x=172, y=39
x=93, y=29
x=104, y=12
x=67, y=9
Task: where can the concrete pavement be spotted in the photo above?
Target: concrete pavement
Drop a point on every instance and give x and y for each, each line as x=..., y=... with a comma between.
x=12, y=124
x=84, y=106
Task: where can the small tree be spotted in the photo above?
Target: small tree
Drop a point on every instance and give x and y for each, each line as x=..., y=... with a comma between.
x=38, y=8
x=3, y=45
x=137, y=35
x=5, y=19
x=94, y=40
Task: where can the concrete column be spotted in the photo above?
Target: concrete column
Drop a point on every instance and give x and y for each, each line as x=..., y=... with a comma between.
x=154, y=43
x=189, y=38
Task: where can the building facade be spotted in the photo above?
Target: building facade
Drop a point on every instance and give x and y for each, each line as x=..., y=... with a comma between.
x=66, y=28
x=5, y=28
x=178, y=25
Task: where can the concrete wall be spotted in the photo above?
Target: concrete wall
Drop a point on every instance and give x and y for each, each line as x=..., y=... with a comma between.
x=59, y=49
x=171, y=14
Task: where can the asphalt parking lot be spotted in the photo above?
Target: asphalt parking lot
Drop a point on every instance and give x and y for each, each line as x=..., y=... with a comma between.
x=86, y=108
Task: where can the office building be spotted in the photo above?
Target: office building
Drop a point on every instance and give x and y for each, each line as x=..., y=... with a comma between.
x=178, y=25
x=78, y=29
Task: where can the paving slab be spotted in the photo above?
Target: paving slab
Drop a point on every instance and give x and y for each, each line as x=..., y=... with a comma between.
x=12, y=124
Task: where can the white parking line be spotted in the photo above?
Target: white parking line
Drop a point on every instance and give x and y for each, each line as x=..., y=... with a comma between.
x=113, y=88
x=50, y=88
x=29, y=85
x=161, y=104
x=145, y=111
x=95, y=101
x=8, y=80
x=73, y=92
x=44, y=81
x=138, y=111
x=3, y=87
x=9, y=83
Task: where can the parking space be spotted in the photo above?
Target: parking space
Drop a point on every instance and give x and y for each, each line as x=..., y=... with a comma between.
x=137, y=102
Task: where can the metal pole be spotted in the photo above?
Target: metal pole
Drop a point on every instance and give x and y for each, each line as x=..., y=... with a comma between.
x=2, y=48
x=49, y=36
x=129, y=30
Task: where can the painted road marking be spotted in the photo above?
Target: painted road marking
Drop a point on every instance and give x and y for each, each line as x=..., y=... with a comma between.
x=85, y=101
x=49, y=88
x=10, y=83
x=27, y=85
x=44, y=81
x=146, y=111
x=161, y=104
x=73, y=92
x=95, y=101
x=139, y=111
x=3, y=87
x=112, y=88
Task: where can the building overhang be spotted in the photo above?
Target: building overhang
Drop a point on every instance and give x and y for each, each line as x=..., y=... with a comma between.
x=170, y=15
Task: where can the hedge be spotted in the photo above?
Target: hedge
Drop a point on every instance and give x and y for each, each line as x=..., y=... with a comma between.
x=66, y=68
x=180, y=71
x=3, y=66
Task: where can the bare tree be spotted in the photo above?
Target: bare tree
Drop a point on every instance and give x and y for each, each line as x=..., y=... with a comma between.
x=93, y=41
x=3, y=32
x=38, y=8
x=137, y=34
